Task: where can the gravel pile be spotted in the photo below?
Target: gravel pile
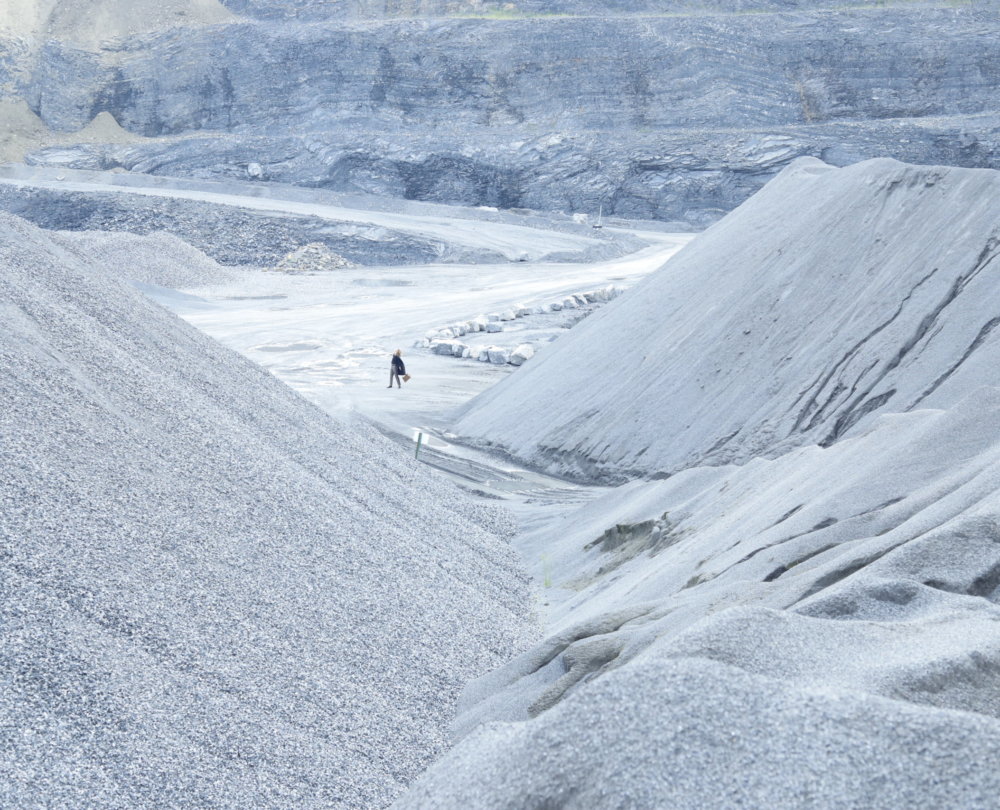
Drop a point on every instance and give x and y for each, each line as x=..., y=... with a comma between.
x=313, y=258
x=820, y=629
x=211, y=593
x=159, y=258
x=667, y=733
x=230, y=235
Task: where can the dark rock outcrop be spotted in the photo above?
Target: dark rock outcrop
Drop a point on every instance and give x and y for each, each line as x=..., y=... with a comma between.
x=658, y=112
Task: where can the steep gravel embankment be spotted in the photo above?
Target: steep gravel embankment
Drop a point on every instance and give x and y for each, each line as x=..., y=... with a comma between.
x=211, y=593
x=830, y=297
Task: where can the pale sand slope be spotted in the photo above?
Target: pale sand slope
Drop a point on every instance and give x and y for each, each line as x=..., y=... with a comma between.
x=21, y=131
x=818, y=630
x=88, y=23
x=212, y=594
x=831, y=296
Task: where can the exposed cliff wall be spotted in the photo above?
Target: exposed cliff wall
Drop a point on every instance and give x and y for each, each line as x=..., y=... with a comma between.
x=569, y=74
x=666, y=114
x=382, y=9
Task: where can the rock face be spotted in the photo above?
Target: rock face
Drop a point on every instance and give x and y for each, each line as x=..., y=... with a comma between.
x=243, y=222
x=830, y=297
x=212, y=593
x=649, y=111
x=88, y=24
x=230, y=235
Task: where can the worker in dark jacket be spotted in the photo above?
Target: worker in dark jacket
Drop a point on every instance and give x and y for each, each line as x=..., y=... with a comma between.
x=397, y=368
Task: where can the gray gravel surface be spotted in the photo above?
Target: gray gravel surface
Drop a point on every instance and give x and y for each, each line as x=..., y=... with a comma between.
x=159, y=258
x=694, y=733
x=211, y=593
x=820, y=630
x=231, y=236
x=816, y=629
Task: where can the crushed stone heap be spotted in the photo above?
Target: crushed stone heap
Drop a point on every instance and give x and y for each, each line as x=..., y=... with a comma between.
x=158, y=258
x=804, y=626
x=313, y=258
x=211, y=592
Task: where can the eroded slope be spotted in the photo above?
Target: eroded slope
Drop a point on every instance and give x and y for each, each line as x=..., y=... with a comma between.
x=819, y=630
x=831, y=296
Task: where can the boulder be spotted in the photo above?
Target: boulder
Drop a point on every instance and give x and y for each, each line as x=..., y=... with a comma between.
x=523, y=352
x=499, y=356
x=446, y=347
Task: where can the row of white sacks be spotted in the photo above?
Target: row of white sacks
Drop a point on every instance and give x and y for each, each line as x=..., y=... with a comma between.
x=494, y=321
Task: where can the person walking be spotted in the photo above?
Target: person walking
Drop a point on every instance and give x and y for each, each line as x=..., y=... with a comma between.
x=397, y=368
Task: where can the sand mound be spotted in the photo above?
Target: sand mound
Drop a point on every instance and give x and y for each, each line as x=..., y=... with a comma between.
x=691, y=733
x=831, y=296
x=21, y=131
x=822, y=629
x=103, y=129
x=211, y=593
x=817, y=629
